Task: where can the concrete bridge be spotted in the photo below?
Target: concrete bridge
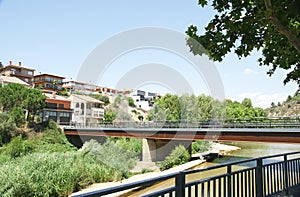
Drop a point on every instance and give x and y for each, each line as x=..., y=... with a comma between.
x=160, y=138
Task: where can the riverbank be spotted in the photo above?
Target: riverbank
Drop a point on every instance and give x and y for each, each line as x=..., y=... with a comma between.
x=222, y=149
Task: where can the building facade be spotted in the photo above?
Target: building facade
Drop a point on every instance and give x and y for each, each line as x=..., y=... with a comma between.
x=143, y=100
x=58, y=109
x=48, y=82
x=76, y=86
x=19, y=71
x=87, y=110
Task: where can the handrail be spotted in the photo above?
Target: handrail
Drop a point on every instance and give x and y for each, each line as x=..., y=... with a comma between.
x=259, y=122
x=259, y=166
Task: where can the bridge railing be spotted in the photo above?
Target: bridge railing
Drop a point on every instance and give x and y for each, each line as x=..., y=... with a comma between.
x=258, y=177
x=276, y=122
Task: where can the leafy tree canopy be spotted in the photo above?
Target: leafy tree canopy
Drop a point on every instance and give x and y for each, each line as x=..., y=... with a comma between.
x=18, y=96
x=272, y=27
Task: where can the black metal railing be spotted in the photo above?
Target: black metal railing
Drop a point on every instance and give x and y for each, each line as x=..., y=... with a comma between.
x=258, y=177
x=276, y=122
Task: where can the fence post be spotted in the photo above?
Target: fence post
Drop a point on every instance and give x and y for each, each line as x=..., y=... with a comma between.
x=229, y=170
x=180, y=184
x=259, y=177
x=286, y=177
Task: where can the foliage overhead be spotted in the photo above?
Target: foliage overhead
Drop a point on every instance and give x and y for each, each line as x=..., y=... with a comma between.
x=272, y=27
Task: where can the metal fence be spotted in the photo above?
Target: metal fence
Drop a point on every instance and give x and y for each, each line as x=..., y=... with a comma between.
x=277, y=175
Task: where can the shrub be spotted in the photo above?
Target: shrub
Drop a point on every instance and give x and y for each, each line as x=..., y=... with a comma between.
x=7, y=128
x=177, y=157
x=111, y=155
x=55, y=174
x=200, y=146
x=16, y=114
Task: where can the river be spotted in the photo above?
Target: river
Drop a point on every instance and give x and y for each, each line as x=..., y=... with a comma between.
x=248, y=150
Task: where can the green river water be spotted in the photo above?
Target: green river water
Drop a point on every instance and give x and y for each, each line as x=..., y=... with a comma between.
x=248, y=150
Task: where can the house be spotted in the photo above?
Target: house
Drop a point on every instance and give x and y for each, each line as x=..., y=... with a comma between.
x=143, y=100
x=48, y=82
x=87, y=110
x=4, y=80
x=58, y=109
x=19, y=71
x=76, y=86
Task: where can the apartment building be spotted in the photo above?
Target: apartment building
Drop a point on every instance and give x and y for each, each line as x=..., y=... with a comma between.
x=19, y=71
x=58, y=109
x=48, y=82
x=143, y=100
x=87, y=110
x=76, y=86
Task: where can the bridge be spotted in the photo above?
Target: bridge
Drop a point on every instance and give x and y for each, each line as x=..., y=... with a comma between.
x=277, y=175
x=159, y=138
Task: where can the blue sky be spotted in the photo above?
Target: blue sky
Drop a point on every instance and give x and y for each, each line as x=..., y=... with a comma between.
x=57, y=36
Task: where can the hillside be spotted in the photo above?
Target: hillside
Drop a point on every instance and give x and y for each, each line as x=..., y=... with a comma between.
x=289, y=107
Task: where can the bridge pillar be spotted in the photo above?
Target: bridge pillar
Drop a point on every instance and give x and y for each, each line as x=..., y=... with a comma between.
x=157, y=149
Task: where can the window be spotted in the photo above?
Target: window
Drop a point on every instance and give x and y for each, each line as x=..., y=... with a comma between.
x=51, y=105
x=50, y=113
x=61, y=106
x=82, y=108
x=88, y=106
x=64, y=114
x=77, y=105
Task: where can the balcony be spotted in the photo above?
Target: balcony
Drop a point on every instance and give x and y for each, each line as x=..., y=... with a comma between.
x=95, y=112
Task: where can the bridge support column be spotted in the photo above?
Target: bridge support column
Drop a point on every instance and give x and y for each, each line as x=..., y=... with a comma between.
x=157, y=149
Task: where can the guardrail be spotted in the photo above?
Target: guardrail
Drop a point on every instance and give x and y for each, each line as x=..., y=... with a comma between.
x=258, y=177
x=278, y=122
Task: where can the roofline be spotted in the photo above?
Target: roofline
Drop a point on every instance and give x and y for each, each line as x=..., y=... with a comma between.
x=48, y=75
x=18, y=67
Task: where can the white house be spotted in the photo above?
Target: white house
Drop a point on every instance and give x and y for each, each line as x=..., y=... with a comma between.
x=143, y=99
x=87, y=110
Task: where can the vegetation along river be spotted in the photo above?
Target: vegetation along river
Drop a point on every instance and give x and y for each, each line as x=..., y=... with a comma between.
x=248, y=150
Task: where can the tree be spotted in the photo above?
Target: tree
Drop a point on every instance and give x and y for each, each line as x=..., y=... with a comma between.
x=247, y=102
x=17, y=96
x=272, y=27
x=130, y=102
x=103, y=98
x=12, y=95
x=34, y=101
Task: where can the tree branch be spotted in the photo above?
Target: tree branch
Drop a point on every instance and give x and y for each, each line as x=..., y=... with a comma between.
x=290, y=35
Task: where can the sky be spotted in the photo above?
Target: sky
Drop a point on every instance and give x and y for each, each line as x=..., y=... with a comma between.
x=57, y=37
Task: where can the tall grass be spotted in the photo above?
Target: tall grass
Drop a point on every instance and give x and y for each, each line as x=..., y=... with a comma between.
x=52, y=174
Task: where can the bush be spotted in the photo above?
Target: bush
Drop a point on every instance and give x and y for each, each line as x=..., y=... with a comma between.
x=16, y=114
x=55, y=174
x=111, y=155
x=177, y=157
x=18, y=147
x=200, y=146
x=7, y=129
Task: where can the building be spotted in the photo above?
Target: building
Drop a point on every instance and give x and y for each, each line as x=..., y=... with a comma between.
x=76, y=86
x=48, y=82
x=4, y=80
x=19, y=71
x=105, y=90
x=58, y=109
x=87, y=110
x=143, y=100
